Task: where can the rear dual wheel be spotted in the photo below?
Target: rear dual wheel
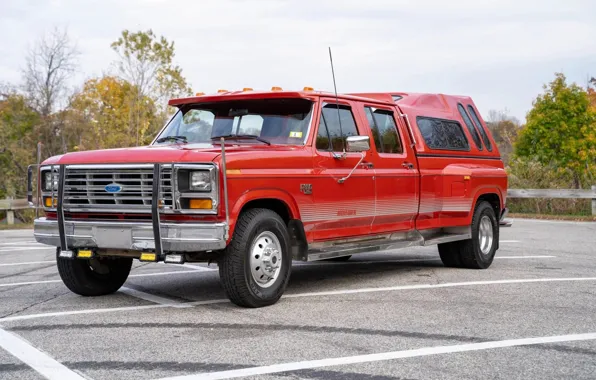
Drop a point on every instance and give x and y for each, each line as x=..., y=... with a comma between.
x=479, y=251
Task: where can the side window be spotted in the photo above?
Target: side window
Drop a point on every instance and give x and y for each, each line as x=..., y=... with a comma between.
x=442, y=134
x=384, y=130
x=331, y=134
x=470, y=126
x=480, y=128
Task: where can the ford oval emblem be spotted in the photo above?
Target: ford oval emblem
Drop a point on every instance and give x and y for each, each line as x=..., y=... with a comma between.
x=113, y=188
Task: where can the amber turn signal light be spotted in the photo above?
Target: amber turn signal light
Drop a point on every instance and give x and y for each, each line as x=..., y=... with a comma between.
x=47, y=201
x=201, y=204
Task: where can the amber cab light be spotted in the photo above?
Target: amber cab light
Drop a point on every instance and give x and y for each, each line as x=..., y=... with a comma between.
x=221, y=91
x=201, y=204
x=308, y=89
x=275, y=88
x=247, y=89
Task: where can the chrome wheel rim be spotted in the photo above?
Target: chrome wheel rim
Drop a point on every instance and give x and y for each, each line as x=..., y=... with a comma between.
x=265, y=259
x=485, y=235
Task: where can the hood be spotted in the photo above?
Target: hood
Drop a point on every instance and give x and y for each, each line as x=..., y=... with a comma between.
x=160, y=154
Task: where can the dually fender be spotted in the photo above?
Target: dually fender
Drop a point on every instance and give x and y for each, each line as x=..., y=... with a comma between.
x=482, y=190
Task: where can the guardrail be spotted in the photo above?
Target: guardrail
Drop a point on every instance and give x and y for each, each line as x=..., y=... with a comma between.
x=10, y=205
x=555, y=193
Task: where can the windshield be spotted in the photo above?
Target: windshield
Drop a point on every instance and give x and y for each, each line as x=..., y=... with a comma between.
x=277, y=121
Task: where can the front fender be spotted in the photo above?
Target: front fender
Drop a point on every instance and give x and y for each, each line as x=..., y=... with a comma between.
x=258, y=194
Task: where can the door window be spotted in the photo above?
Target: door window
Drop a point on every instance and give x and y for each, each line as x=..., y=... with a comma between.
x=384, y=130
x=337, y=123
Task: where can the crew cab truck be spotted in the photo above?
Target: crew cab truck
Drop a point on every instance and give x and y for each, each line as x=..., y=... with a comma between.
x=253, y=180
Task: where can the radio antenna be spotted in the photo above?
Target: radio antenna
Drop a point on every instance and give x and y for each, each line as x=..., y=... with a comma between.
x=343, y=143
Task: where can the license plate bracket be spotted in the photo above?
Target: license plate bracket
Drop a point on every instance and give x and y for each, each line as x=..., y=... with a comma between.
x=113, y=237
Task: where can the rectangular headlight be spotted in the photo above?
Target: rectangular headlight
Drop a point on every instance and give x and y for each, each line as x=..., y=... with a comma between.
x=200, y=181
x=50, y=181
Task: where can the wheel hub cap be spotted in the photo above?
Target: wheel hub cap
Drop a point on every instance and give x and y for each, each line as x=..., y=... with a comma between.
x=265, y=259
x=485, y=235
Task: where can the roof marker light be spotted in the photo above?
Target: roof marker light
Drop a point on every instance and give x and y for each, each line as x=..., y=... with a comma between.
x=308, y=89
x=275, y=88
x=247, y=89
x=199, y=94
x=221, y=91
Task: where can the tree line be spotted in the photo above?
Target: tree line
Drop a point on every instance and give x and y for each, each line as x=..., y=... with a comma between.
x=126, y=106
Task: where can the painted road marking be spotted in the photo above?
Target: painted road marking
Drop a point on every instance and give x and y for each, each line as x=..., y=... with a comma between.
x=509, y=241
x=525, y=257
x=26, y=249
x=312, y=294
x=197, y=267
x=28, y=263
x=132, y=275
x=21, y=243
x=39, y=361
x=153, y=298
x=435, y=286
x=348, y=360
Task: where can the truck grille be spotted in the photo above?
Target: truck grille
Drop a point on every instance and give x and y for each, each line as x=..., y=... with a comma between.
x=85, y=188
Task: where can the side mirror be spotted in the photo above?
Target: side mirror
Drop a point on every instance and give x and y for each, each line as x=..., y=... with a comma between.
x=357, y=144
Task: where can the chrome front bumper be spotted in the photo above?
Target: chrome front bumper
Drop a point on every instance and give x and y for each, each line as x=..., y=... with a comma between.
x=175, y=237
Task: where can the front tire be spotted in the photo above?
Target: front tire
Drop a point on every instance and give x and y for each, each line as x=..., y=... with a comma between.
x=479, y=251
x=93, y=277
x=256, y=265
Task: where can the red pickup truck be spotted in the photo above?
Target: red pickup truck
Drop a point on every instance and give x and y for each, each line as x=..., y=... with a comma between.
x=253, y=180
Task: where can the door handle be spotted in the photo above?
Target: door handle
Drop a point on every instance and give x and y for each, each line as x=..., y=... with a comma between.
x=408, y=165
x=367, y=165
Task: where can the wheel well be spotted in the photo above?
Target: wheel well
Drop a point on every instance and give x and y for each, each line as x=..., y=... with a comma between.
x=299, y=246
x=494, y=201
x=272, y=204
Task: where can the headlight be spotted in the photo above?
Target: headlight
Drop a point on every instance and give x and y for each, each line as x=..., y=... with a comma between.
x=50, y=182
x=200, y=181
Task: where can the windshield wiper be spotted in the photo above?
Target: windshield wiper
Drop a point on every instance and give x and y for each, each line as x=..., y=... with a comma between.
x=172, y=138
x=252, y=137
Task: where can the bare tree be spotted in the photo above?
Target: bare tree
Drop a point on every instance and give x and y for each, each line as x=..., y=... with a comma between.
x=49, y=65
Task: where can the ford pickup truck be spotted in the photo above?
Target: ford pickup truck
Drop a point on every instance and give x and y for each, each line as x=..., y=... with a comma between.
x=253, y=180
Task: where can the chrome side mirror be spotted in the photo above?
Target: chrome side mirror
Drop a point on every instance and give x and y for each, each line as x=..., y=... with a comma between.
x=357, y=144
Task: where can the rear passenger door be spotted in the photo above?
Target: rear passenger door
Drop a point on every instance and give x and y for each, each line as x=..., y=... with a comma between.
x=341, y=209
x=396, y=172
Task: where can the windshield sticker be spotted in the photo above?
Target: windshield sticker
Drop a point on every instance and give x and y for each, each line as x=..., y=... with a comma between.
x=296, y=134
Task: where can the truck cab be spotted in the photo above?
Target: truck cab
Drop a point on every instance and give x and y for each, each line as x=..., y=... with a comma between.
x=254, y=180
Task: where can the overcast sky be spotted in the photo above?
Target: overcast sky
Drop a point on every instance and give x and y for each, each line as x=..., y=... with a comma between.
x=500, y=52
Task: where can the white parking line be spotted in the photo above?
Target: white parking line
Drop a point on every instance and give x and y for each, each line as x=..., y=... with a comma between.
x=132, y=275
x=36, y=359
x=509, y=241
x=348, y=360
x=153, y=298
x=28, y=263
x=436, y=286
x=311, y=294
x=26, y=249
x=525, y=257
x=21, y=243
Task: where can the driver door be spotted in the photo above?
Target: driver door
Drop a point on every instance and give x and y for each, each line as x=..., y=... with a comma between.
x=343, y=209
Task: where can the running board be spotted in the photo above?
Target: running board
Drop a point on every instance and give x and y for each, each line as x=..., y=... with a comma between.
x=346, y=247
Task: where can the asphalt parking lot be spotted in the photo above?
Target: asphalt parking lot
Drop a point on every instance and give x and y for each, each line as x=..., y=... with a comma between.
x=393, y=315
